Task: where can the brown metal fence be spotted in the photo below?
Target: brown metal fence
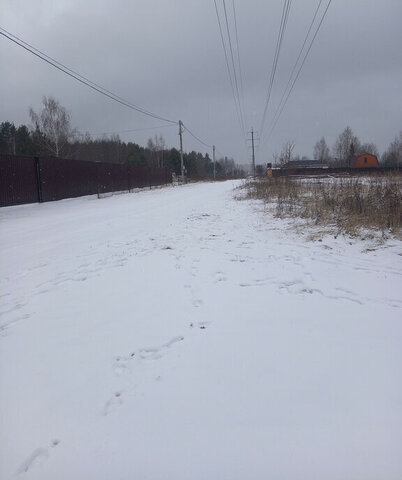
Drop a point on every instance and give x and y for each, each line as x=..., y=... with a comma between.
x=18, y=180
x=60, y=178
x=44, y=179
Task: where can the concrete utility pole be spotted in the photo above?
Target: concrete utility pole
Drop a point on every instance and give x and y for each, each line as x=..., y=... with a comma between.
x=213, y=158
x=181, y=150
x=253, y=139
x=252, y=146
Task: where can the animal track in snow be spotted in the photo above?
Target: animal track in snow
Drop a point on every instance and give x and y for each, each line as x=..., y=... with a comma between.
x=391, y=302
x=200, y=325
x=220, y=277
x=121, y=362
x=157, y=352
x=259, y=282
x=37, y=457
x=113, y=403
x=297, y=287
x=121, y=366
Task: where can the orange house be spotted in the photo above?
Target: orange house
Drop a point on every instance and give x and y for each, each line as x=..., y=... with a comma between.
x=365, y=160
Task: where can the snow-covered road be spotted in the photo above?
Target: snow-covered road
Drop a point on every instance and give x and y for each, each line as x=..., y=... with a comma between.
x=181, y=334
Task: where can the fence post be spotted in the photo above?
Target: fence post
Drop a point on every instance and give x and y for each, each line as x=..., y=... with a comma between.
x=38, y=179
x=97, y=179
x=128, y=178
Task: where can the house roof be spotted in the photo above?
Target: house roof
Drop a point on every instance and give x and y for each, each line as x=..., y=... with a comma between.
x=364, y=155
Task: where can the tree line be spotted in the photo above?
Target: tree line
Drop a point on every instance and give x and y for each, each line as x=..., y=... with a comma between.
x=347, y=145
x=51, y=134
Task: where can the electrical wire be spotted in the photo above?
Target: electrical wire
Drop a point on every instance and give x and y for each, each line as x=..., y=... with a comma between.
x=58, y=65
x=219, y=153
x=238, y=59
x=281, y=33
x=300, y=53
x=80, y=78
x=194, y=136
x=234, y=68
x=131, y=130
x=228, y=67
x=282, y=106
x=240, y=75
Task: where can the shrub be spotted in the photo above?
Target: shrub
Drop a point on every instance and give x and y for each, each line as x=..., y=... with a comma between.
x=349, y=203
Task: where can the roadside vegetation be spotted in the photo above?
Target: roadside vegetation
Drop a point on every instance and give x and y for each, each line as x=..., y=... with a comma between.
x=51, y=133
x=351, y=205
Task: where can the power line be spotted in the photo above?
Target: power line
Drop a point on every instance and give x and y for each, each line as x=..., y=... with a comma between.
x=198, y=139
x=281, y=33
x=238, y=59
x=275, y=61
x=131, y=130
x=61, y=65
x=281, y=107
x=234, y=67
x=80, y=78
x=220, y=153
x=228, y=67
x=298, y=57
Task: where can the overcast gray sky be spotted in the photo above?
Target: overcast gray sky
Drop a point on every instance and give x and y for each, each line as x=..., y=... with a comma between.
x=166, y=56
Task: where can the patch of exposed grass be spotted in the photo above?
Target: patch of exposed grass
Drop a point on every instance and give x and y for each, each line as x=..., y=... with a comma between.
x=349, y=204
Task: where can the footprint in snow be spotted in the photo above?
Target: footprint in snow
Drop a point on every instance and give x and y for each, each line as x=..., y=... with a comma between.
x=220, y=277
x=154, y=353
x=200, y=325
x=37, y=457
x=113, y=403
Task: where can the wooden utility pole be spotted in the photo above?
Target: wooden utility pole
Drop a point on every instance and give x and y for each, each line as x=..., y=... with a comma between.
x=213, y=158
x=181, y=150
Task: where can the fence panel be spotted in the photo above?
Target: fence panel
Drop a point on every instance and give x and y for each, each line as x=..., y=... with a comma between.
x=112, y=177
x=158, y=176
x=139, y=177
x=18, y=181
x=61, y=178
x=44, y=179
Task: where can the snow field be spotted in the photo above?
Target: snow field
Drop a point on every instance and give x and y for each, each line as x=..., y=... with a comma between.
x=179, y=333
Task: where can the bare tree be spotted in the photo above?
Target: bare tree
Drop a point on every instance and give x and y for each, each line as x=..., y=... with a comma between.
x=321, y=150
x=53, y=124
x=393, y=156
x=286, y=154
x=156, y=146
x=346, y=146
x=369, y=148
x=161, y=144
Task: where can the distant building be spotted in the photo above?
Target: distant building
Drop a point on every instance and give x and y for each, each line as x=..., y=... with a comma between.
x=306, y=164
x=364, y=160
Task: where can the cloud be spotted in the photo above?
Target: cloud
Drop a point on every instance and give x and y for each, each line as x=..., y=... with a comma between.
x=166, y=56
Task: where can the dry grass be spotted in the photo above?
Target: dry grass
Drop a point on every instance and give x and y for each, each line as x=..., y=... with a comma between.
x=349, y=204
